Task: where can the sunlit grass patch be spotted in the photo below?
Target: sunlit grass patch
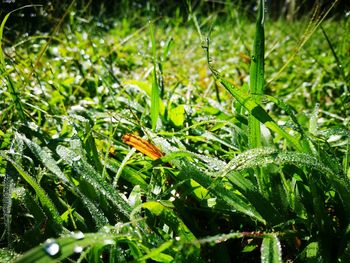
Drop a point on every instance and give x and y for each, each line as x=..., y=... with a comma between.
x=231, y=161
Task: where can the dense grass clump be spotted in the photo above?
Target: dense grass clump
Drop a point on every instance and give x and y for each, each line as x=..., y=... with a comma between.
x=190, y=138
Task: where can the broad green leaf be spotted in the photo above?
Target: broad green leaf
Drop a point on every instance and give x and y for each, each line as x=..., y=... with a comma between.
x=146, y=87
x=177, y=115
x=310, y=253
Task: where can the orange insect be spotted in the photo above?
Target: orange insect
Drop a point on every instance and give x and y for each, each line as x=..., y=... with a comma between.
x=143, y=146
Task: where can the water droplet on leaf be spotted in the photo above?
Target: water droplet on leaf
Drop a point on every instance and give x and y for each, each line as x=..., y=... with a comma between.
x=51, y=247
x=78, y=249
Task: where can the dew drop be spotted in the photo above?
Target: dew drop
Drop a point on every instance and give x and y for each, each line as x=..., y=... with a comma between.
x=51, y=247
x=78, y=235
x=78, y=249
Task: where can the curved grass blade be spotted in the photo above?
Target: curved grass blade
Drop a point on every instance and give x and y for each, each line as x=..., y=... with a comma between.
x=129, y=174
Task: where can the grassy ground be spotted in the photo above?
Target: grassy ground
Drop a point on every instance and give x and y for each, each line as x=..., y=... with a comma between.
x=68, y=98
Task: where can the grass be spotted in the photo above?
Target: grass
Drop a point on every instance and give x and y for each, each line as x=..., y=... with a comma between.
x=256, y=148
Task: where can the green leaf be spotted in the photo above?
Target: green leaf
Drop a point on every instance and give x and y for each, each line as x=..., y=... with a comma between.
x=177, y=115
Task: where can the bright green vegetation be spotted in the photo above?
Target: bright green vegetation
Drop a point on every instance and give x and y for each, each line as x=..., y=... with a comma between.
x=253, y=170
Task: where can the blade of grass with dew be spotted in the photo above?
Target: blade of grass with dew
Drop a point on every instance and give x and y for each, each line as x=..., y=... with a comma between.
x=256, y=91
x=257, y=76
x=67, y=246
x=155, y=88
x=46, y=158
x=8, y=187
x=91, y=148
x=257, y=111
x=255, y=158
x=271, y=250
x=45, y=201
x=88, y=173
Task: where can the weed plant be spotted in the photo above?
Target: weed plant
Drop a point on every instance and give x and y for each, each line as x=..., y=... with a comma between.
x=252, y=118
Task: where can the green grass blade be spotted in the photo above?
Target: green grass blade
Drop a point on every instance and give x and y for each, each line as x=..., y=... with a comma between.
x=46, y=158
x=91, y=149
x=257, y=76
x=8, y=185
x=129, y=174
x=271, y=250
x=249, y=103
x=155, y=96
x=258, y=112
x=87, y=172
x=44, y=199
x=66, y=246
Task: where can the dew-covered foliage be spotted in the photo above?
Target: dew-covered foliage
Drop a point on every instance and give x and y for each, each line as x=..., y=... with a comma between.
x=194, y=137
